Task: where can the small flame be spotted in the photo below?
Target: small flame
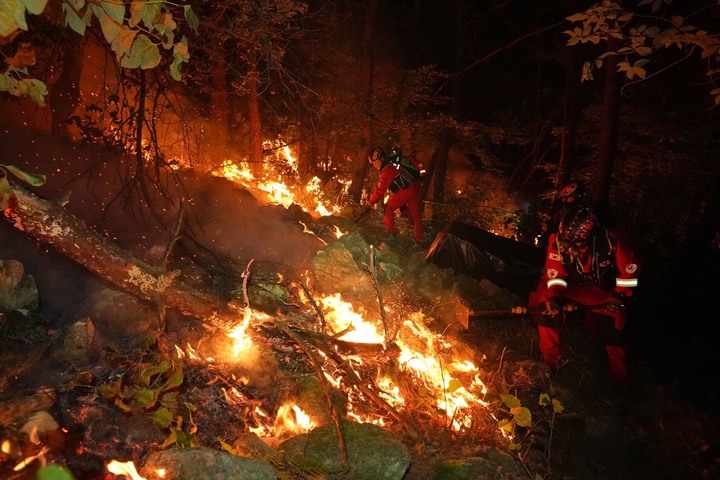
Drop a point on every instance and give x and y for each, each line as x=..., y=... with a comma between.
x=339, y=233
x=124, y=468
x=242, y=340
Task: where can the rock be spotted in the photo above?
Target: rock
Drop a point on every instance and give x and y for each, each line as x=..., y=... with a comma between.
x=334, y=270
x=249, y=444
x=373, y=453
x=201, y=462
x=119, y=316
x=80, y=344
x=17, y=290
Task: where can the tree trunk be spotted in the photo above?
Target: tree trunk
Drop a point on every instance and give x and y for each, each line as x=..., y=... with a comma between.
x=607, y=148
x=361, y=164
x=219, y=109
x=49, y=223
x=570, y=119
x=65, y=93
x=256, y=142
x=439, y=173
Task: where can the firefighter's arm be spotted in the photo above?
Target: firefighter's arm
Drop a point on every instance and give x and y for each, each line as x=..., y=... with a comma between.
x=386, y=177
x=627, y=263
x=555, y=276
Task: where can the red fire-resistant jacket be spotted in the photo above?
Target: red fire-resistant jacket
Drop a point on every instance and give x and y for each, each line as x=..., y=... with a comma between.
x=607, y=263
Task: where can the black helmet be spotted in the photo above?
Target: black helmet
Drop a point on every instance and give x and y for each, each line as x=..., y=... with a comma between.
x=578, y=224
x=377, y=153
x=572, y=191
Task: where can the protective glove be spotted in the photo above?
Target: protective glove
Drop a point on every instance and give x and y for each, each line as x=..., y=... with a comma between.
x=554, y=305
x=614, y=307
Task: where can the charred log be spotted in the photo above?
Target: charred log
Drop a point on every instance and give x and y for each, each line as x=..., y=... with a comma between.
x=49, y=223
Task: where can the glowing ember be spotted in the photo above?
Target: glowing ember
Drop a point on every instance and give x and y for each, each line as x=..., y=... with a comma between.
x=124, y=468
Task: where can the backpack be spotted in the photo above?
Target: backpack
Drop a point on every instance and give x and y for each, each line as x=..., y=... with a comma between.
x=410, y=172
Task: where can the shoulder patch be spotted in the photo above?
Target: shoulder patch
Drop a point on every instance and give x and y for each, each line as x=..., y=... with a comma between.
x=631, y=268
x=552, y=273
x=555, y=256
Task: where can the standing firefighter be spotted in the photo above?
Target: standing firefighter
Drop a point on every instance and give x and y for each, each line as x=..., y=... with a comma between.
x=586, y=264
x=401, y=176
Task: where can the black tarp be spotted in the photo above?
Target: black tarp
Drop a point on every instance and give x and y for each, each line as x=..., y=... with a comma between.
x=480, y=254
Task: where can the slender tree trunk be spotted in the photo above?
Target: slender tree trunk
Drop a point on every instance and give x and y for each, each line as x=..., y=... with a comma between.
x=256, y=142
x=440, y=172
x=219, y=109
x=140, y=124
x=607, y=148
x=440, y=167
x=571, y=112
x=361, y=163
x=65, y=93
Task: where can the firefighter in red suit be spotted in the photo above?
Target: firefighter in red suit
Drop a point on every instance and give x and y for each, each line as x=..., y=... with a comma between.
x=405, y=188
x=586, y=264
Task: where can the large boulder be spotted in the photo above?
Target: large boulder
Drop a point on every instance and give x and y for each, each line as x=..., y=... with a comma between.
x=202, y=462
x=373, y=453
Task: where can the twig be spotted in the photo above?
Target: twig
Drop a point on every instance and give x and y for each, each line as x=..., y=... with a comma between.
x=314, y=304
x=246, y=276
x=373, y=273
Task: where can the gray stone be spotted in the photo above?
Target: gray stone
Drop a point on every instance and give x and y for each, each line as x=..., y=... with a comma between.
x=80, y=344
x=204, y=463
x=373, y=453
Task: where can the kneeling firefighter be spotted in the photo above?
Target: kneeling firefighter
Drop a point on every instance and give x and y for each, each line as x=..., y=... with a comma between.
x=593, y=266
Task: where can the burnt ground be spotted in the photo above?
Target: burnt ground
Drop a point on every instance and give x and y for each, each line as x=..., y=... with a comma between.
x=664, y=426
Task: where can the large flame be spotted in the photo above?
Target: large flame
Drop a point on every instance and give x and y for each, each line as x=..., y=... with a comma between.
x=279, y=181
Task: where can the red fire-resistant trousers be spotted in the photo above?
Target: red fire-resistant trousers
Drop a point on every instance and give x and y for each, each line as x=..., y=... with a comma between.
x=549, y=329
x=410, y=197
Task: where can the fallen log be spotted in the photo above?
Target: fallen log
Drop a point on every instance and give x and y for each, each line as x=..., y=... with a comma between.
x=50, y=223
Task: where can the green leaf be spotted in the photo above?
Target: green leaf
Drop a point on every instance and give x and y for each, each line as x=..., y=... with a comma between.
x=34, y=179
x=522, y=416
x=510, y=401
x=54, y=472
x=35, y=7
x=8, y=83
x=191, y=18
x=544, y=399
x=33, y=88
x=163, y=417
x=143, y=54
x=109, y=26
x=146, y=371
x=5, y=194
x=147, y=397
x=72, y=19
x=175, y=380
x=557, y=406
x=123, y=42
x=12, y=17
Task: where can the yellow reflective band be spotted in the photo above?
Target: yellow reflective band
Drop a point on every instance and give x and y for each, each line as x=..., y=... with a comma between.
x=626, y=282
x=556, y=281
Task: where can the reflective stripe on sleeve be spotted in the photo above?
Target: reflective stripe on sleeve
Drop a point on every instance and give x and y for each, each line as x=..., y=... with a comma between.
x=626, y=282
x=556, y=281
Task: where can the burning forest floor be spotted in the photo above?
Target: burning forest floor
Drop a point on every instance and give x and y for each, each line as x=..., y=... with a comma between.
x=351, y=364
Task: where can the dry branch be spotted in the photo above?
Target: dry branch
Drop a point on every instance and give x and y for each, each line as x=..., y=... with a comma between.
x=50, y=223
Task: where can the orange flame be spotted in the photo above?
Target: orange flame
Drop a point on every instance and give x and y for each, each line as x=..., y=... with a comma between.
x=124, y=468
